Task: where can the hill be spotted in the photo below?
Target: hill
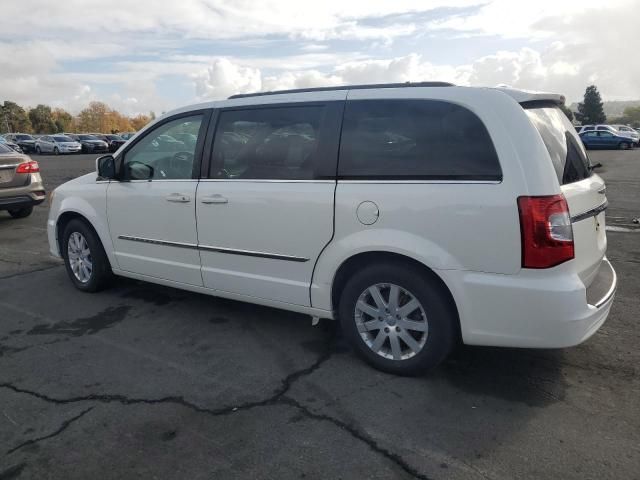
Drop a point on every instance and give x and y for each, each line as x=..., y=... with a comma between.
x=612, y=108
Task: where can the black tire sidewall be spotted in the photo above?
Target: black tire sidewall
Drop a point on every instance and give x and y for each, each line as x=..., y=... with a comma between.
x=21, y=212
x=101, y=271
x=441, y=316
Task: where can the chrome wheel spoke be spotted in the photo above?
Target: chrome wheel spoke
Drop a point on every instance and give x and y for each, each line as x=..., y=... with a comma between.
x=377, y=297
x=373, y=325
x=409, y=340
x=408, y=307
x=368, y=309
x=413, y=325
x=394, y=294
x=396, y=351
x=377, y=344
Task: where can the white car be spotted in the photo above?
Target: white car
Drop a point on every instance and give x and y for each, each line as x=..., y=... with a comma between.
x=418, y=215
x=621, y=130
x=627, y=131
x=56, y=144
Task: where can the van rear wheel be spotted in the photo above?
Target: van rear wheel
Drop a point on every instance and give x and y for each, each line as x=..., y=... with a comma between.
x=397, y=318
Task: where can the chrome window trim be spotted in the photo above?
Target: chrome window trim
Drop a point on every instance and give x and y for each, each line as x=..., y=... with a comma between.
x=210, y=248
x=421, y=182
x=263, y=180
x=590, y=213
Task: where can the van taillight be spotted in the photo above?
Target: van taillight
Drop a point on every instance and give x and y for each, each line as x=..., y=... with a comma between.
x=28, y=167
x=545, y=228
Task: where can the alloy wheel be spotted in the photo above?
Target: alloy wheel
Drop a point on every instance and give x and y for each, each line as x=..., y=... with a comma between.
x=391, y=321
x=79, y=256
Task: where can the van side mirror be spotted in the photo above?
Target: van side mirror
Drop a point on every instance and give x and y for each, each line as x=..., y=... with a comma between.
x=106, y=167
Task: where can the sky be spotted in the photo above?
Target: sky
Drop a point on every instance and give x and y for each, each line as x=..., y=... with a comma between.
x=150, y=55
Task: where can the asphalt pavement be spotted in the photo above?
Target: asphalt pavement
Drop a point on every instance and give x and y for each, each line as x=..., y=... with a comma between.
x=144, y=381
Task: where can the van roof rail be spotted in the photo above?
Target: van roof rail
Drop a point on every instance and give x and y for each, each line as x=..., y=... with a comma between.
x=345, y=87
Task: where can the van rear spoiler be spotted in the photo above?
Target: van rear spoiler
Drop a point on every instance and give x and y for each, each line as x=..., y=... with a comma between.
x=527, y=96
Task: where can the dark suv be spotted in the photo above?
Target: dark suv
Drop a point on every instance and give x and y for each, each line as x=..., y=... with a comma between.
x=25, y=141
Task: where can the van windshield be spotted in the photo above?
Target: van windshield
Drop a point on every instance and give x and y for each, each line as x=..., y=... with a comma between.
x=565, y=148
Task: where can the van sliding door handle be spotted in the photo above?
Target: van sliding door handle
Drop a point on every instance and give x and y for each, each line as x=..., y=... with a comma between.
x=214, y=199
x=178, y=198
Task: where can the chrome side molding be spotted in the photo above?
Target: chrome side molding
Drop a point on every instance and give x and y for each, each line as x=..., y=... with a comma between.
x=209, y=248
x=590, y=213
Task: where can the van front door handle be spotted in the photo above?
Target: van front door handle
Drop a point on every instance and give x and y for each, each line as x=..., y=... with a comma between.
x=178, y=198
x=214, y=199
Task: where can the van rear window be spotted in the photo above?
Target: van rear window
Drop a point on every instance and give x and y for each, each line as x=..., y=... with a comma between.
x=565, y=148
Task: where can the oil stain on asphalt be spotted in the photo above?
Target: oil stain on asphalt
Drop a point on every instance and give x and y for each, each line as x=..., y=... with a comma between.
x=84, y=326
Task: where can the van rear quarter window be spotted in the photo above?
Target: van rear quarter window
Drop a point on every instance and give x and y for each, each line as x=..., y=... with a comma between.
x=415, y=139
x=565, y=148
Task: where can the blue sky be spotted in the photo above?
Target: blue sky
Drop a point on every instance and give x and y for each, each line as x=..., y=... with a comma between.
x=140, y=56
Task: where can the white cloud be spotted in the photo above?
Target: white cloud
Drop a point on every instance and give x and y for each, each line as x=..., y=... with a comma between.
x=569, y=44
x=224, y=78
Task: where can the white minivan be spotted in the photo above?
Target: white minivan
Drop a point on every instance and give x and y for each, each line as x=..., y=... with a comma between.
x=419, y=215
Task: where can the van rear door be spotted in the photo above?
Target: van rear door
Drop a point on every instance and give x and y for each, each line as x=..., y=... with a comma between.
x=583, y=189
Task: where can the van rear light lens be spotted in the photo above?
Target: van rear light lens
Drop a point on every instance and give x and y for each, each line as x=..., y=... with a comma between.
x=28, y=167
x=545, y=227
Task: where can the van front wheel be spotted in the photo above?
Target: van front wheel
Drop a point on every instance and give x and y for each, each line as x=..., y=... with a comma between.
x=397, y=318
x=84, y=257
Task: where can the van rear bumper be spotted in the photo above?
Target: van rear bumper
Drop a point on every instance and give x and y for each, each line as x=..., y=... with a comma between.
x=549, y=308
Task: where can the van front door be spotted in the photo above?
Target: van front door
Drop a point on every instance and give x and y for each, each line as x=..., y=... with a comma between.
x=151, y=211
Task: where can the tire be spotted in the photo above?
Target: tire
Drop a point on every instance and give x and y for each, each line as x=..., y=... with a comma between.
x=623, y=146
x=38, y=151
x=21, y=212
x=56, y=151
x=434, y=342
x=100, y=273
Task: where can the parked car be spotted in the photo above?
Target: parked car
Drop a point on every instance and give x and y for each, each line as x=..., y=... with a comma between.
x=90, y=144
x=13, y=146
x=57, y=144
x=605, y=139
x=627, y=131
x=635, y=138
x=20, y=183
x=127, y=135
x=114, y=141
x=24, y=140
x=454, y=213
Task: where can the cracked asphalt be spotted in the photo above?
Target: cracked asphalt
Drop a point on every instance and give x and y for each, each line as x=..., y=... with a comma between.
x=143, y=381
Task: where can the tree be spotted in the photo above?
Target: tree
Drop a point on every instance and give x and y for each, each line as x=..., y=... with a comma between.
x=140, y=121
x=41, y=119
x=95, y=118
x=64, y=120
x=567, y=111
x=590, y=110
x=14, y=118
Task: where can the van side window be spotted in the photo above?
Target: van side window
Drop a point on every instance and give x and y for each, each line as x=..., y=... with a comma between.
x=415, y=139
x=166, y=152
x=279, y=143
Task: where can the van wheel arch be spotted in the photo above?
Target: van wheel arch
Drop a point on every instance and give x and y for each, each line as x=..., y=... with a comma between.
x=361, y=260
x=64, y=220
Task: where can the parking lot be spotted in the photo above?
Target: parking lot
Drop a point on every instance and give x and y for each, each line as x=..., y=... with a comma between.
x=151, y=382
